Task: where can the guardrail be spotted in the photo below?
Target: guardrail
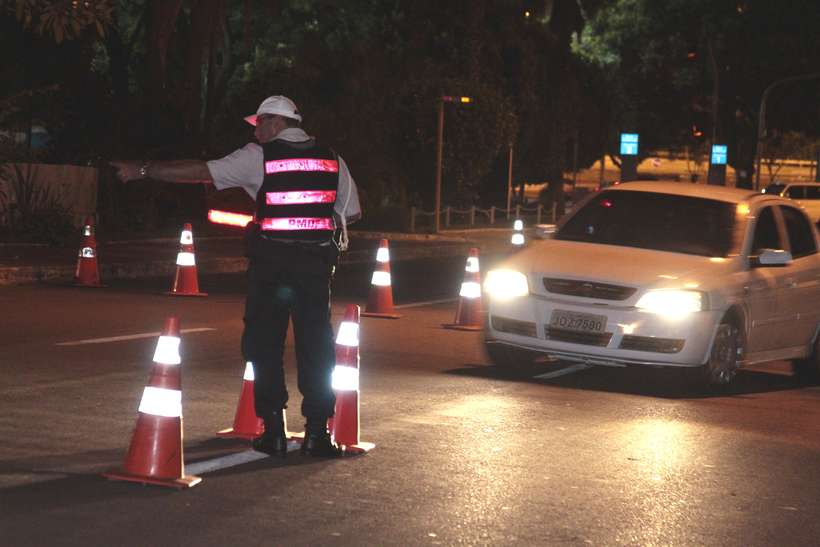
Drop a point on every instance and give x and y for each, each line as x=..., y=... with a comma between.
x=475, y=216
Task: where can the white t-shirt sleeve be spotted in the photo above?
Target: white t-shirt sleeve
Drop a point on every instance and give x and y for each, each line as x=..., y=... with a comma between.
x=242, y=168
x=347, y=200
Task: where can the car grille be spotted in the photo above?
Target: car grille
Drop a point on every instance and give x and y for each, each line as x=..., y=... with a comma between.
x=588, y=289
x=646, y=343
x=513, y=326
x=576, y=337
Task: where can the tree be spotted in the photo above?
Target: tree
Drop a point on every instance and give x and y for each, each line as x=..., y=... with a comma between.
x=781, y=147
x=63, y=19
x=684, y=67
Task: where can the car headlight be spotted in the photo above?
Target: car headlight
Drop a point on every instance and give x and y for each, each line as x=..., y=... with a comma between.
x=506, y=284
x=672, y=303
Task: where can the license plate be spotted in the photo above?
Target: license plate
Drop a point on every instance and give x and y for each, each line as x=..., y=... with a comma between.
x=582, y=322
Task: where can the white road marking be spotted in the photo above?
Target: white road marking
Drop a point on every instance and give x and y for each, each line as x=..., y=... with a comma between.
x=427, y=303
x=127, y=337
x=231, y=460
x=564, y=371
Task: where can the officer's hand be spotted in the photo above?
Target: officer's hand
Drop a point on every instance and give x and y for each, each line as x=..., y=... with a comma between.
x=127, y=170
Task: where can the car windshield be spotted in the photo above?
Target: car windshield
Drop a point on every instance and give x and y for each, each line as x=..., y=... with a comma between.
x=774, y=189
x=649, y=220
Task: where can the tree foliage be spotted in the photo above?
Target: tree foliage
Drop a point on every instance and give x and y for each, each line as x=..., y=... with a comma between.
x=63, y=19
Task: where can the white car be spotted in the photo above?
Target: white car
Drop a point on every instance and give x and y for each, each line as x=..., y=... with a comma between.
x=806, y=194
x=665, y=274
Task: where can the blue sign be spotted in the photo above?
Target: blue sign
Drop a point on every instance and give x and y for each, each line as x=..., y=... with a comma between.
x=718, y=154
x=629, y=144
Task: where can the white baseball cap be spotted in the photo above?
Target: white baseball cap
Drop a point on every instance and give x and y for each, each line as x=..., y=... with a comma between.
x=276, y=104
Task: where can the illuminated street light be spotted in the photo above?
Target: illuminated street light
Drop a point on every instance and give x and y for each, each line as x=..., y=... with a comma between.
x=440, y=148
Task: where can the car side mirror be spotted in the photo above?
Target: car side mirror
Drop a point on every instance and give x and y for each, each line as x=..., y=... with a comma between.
x=771, y=258
x=544, y=231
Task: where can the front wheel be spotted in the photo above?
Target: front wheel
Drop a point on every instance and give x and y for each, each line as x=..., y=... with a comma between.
x=724, y=359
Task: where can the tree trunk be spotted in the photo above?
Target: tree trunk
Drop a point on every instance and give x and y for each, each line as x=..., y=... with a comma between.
x=161, y=21
x=206, y=17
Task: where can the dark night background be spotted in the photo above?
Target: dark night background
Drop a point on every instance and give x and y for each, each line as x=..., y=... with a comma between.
x=559, y=79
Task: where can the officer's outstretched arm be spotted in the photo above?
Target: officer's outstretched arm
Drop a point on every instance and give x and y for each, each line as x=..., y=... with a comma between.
x=177, y=171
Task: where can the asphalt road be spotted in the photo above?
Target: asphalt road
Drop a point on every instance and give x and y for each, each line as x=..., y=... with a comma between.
x=465, y=454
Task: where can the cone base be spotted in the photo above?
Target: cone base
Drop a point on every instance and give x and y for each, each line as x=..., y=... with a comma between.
x=237, y=434
x=182, y=482
x=358, y=448
x=381, y=315
x=456, y=326
x=89, y=286
x=172, y=293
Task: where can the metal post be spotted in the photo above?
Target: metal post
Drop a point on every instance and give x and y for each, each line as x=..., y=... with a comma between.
x=509, y=180
x=817, y=167
x=472, y=215
x=412, y=219
x=538, y=214
x=439, y=149
x=447, y=216
x=554, y=211
x=492, y=214
x=574, y=159
x=761, y=132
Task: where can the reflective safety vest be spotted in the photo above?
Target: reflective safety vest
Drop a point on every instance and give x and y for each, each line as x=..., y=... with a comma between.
x=296, y=199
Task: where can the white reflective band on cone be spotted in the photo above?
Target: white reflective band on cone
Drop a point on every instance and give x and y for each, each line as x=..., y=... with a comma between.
x=472, y=265
x=470, y=289
x=87, y=230
x=382, y=279
x=518, y=225
x=186, y=259
x=248, y=372
x=383, y=255
x=167, y=352
x=348, y=334
x=186, y=238
x=345, y=378
x=87, y=252
x=159, y=401
x=517, y=239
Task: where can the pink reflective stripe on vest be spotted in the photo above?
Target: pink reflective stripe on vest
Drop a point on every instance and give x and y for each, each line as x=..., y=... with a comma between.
x=301, y=164
x=297, y=223
x=307, y=196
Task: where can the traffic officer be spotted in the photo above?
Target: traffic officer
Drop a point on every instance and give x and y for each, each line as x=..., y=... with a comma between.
x=305, y=198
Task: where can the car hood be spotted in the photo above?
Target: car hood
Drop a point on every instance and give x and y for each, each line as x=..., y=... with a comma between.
x=613, y=264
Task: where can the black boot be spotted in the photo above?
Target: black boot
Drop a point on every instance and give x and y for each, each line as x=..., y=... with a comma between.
x=317, y=441
x=273, y=440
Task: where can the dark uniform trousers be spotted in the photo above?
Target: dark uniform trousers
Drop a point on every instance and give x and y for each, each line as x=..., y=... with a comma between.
x=295, y=288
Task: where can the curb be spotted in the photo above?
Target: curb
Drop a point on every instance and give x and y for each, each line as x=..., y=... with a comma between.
x=64, y=273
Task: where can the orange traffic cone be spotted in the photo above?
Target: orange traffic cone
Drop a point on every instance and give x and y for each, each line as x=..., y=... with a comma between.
x=155, y=454
x=246, y=424
x=344, y=426
x=468, y=314
x=185, y=280
x=380, y=299
x=87, y=273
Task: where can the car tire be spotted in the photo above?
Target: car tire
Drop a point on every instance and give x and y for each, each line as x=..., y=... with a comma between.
x=510, y=358
x=724, y=357
x=808, y=370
